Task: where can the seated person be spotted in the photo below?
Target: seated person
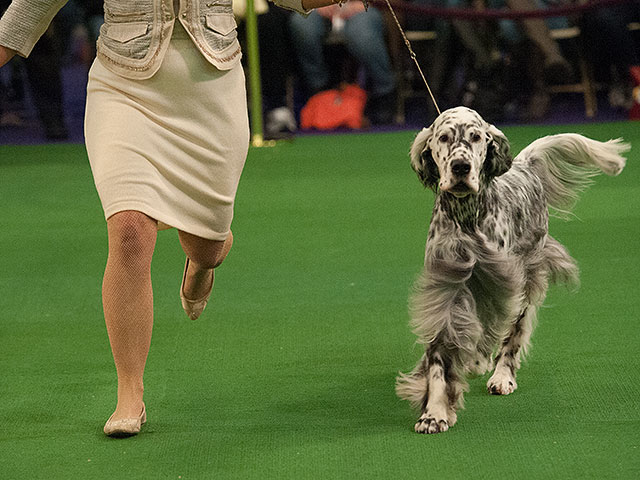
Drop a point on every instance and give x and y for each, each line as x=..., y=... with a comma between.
x=365, y=41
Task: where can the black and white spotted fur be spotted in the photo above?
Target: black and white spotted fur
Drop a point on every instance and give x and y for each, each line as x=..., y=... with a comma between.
x=489, y=256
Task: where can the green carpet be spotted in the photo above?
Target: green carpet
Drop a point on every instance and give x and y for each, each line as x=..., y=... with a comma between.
x=290, y=372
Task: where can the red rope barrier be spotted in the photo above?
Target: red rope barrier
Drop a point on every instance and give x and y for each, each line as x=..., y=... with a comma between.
x=470, y=14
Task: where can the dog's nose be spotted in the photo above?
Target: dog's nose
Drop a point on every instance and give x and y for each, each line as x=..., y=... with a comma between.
x=460, y=167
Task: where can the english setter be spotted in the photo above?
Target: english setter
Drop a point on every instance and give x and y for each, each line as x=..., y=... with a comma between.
x=489, y=257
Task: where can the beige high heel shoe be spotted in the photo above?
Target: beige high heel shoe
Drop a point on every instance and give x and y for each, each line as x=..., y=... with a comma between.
x=125, y=427
x=194, y=308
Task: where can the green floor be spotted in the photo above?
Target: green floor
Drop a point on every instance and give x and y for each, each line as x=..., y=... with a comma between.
x=290, y=371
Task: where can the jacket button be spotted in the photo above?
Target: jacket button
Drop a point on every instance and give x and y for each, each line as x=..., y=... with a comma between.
x=184, y=15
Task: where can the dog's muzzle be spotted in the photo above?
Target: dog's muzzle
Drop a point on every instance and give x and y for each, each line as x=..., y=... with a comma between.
x=460, y=168
x=460, y=184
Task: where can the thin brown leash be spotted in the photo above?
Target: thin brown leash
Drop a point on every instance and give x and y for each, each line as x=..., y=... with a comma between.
x=413, y=55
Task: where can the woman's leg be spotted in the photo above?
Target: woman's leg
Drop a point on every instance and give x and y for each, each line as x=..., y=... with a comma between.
x=127, y=300
x=204, y=255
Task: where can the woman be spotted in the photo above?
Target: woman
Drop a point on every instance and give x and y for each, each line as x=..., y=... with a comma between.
x=167, y=134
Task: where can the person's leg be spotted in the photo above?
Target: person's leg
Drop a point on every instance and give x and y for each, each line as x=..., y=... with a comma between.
x=307, y=35
x=364, y=33
x=538, y=33
x=608, y=28
x=365, y=41
x=127, y=300
x=276, y=65
x=204, y=255
x=44, y=67
x=275, y=56
x=472, y=35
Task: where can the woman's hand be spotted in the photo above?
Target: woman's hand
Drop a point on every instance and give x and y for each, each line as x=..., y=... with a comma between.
x=350, y=8
x=310, y=4
x=347, y=10
x=6, y=54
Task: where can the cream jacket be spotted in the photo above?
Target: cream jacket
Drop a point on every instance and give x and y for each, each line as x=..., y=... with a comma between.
x=136, y=33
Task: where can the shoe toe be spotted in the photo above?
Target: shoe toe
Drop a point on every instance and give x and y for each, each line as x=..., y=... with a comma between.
x=193, y=309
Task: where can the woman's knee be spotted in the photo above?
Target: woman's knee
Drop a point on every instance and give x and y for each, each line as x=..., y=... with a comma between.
x=132, y=234
x=206, y=253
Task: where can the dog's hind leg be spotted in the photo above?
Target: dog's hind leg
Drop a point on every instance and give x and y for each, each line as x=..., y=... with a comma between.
x=444, y=391
x=503, y=380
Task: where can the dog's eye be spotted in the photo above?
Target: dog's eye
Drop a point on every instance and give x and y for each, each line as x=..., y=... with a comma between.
x=475, y=138
x=444, y=138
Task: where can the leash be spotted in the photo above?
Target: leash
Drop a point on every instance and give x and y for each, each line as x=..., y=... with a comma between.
x=412, y=54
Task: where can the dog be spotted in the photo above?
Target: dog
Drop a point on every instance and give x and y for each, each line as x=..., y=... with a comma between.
x=489, y=256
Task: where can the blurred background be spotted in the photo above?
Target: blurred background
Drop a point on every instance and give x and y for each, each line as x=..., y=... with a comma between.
x=346, y=69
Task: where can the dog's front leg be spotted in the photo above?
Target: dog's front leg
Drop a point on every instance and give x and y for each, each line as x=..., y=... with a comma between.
x=438, y=412
x=503, y=380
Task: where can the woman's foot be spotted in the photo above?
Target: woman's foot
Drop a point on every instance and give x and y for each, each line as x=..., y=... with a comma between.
x=195, y=289
x=125, y=425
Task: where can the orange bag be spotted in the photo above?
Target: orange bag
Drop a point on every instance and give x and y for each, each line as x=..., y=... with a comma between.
x=331, y=109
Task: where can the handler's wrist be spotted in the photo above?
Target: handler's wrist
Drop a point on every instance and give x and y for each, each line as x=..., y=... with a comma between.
x=6, y=54
x=311, y=4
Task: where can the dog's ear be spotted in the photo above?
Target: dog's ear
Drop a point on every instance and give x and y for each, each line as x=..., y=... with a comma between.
x=499, y=158
x=421, y=160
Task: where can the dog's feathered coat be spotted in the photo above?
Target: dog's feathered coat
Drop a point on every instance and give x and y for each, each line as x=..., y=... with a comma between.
x=489, y=257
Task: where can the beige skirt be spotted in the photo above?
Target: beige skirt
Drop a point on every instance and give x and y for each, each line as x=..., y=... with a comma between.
x=173, y=146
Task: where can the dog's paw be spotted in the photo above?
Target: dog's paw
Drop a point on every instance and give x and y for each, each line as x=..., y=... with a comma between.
x=501, y=384
x=428, y=424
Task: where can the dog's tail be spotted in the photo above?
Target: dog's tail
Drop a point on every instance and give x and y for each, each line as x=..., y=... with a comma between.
x=566, y=163
x=561, y=266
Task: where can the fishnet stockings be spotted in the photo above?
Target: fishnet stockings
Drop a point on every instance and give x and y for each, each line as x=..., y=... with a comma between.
x=204, y=255
x=127, y=299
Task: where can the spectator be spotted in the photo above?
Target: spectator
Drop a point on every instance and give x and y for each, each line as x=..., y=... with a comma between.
x=497, y=76
x=555, y=67
x=365, y=41
x=94, y=18
x=617, y=51
x=275, y=65
x=43, y=69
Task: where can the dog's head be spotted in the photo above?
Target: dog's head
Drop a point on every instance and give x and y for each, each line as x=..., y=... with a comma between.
x=459, y=152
